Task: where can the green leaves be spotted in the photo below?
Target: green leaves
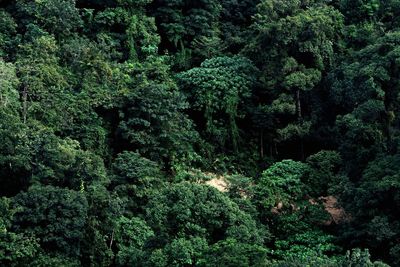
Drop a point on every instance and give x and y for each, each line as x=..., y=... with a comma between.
x=59, y=229
x=181, y=23
x=281, y=183
x=230, y=252
x=304, y=246
x=366, y=89
x=305, y=32
x=47, y=13
x=152, y=117
x=106, y=107
x=188, y=218
x=219, y=88
x=323, y=177
x=184, y=252
x=304, y=80
x=189, y=209
x=9, y=98
x=142, y=37
x=131, y=168
x=131, y=236
x=42, y=82
x=293, y=43
x=61, y=162
x=17, y=249
x=8, y=32
x=134, y=178
x=358, y=257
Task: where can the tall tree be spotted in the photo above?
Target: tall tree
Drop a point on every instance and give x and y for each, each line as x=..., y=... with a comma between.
x=183, y=23
x=294, y=42
x=8, y=34
x=366, y=90
x=220, y=89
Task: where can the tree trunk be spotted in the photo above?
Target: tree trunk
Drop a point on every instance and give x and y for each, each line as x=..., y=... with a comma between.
x=112, y=240
x=298, y=105
x=299, y=120
x=24, y=103
x=389, y=142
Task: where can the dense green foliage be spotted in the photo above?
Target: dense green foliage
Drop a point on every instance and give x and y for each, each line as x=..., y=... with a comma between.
x=116, y=114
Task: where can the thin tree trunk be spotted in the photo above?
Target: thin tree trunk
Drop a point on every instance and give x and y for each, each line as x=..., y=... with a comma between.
x=299, y=119
x=112, y=239
x=298, y=105
x=388, y=130
x=24, y=103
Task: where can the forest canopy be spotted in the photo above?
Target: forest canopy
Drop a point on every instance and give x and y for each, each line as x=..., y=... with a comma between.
x=200, y=133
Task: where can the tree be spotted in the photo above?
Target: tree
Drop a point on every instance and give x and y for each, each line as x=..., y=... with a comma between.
x=219, y=89
x=359, y=143
x=305, y=246
x=151, y=114
x=8, y=34
x=281, y=183
x=61, y=162
x=182, y=24
x=236, y=17
x=139, y=38
x=98, y=243
x=15, y=249
x=373, y=204
x=42, y=82
x=47, y=14
x=135, y=178
x=324, y=173
x=230, y=252
x=131, y=168
x=294, y=42
x=188, y=210
x=185, y=251
x=58, y=229
x=8, y=87
x=358, y=257
x=281, y=197
x=367, y=86
x=131, y=237
x=13, y=157
x=89, y=73
x=381, y=15
x=163, y=133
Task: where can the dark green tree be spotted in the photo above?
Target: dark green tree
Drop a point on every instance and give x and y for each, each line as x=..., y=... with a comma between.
x=134, y=178
x=58, y=229
x=186, y=210
x=373, y=203
x=8, y=34
x=48, y=13
x=131, y=237
x=184, y=25
x=151, y=113
x=220, y=89
x=294, y=43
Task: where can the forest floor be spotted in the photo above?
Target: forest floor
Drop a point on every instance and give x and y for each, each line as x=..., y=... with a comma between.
x=219, y=182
